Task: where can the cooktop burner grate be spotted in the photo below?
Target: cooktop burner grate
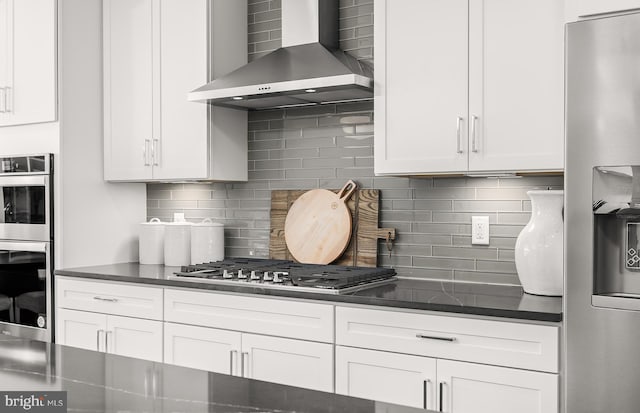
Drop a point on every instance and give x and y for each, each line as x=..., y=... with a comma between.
x=255, y=272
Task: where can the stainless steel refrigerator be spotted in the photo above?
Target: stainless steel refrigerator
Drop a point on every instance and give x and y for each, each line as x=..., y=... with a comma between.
x=602, y=216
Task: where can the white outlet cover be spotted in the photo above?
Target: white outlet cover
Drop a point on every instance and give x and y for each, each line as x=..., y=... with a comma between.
x=480, y=230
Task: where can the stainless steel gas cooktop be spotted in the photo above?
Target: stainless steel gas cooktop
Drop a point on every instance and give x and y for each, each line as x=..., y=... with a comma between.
x=289, y=275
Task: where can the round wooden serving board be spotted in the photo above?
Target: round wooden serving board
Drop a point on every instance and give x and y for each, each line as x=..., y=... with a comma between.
x=317, y=229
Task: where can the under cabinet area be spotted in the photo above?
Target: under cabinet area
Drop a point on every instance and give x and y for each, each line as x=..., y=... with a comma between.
x=27, y=61
x=155, y=52
x=484, y=94
x=446, y=363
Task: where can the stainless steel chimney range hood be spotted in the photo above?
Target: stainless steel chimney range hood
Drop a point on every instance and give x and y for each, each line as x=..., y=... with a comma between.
x=308, y=69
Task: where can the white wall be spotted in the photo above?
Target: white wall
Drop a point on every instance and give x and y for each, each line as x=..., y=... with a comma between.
x=99, y=219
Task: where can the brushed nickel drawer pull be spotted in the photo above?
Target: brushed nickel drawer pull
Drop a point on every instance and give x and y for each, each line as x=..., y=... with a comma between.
x=458, y=135
x=451, y=339
x=111, y=300
x=474, y=136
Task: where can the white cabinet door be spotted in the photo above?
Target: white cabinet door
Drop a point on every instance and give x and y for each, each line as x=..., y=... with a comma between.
x=180, y=144
x=134, y=337
x=202, y=348
x=28, y=60
x=81, y=329
x=421, y=93
x=476, y=388
x=587, y=8
x=388, y=377
x=128, y=88
x=292, y=362
x=516, y=85
x=6, y=59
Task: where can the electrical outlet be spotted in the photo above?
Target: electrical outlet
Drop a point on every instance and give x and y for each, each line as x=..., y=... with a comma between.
x=480, y=230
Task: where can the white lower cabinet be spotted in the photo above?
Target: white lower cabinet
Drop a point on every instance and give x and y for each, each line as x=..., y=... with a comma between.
x=388, y=377
x=202, y=348
x=286, y=361
x=125, y=336
x=477, y=388
x=447, y=363
x=443, y=385
x=280, y=360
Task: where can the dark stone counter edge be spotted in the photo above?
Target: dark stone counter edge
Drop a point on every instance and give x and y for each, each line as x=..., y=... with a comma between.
x=346, y=298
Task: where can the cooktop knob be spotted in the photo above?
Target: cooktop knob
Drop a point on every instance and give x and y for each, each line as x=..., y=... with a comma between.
x=254, y=276
x=267, y=276
x=227, y=275
x=277, y=275
x=241, y=275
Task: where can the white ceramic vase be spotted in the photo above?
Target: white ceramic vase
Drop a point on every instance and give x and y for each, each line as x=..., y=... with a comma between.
x=539, y=246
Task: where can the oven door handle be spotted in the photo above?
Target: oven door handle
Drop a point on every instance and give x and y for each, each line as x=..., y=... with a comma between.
x=30, y=180
x=24, y=246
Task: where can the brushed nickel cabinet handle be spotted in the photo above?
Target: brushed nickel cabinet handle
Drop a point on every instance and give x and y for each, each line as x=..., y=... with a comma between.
x=474, y=137
x=106, y=341
x=450, y=339
x=245, y=365
x=232, y=354
x=8, y=98
x=111, y=300
x=155, y=150
x=459, y=134
x=98, y=339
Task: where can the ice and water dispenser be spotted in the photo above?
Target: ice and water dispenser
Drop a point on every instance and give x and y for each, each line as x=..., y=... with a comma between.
x=616, y=218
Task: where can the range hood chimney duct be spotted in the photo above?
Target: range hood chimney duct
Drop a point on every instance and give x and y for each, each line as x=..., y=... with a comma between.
x=308, y=69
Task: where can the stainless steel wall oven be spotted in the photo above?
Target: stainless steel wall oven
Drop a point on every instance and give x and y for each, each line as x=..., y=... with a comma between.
x=26, y=246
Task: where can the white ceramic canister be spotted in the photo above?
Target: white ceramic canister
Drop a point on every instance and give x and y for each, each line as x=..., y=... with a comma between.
x=177, y=243
x=151, y=242
x=207, y=242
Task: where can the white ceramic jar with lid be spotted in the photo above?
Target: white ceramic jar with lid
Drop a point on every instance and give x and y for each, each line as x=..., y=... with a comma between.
x=207, y=242
x=177, y=243
x=151, y=242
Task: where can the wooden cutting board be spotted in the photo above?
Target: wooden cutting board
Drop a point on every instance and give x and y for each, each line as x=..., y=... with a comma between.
x=362, y=249
x=317, y=229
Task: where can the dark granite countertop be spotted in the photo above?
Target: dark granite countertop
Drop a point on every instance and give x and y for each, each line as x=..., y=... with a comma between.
x=455, y=297
x=100, y=382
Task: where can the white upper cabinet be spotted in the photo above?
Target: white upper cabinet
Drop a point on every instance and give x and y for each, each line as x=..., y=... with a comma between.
x=516, y=85
x=577, y=9
x=155, y=52
x=466, y=86
x=128, y=89
x=27, y=61
x=421, y=91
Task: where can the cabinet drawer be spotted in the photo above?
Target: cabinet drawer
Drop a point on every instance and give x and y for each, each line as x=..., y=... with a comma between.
x=110, y=298
x=527, y=346
x=308, y=321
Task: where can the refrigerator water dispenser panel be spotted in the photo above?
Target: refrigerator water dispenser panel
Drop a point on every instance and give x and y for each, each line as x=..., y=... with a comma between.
x=616, y=218
x=633, y=246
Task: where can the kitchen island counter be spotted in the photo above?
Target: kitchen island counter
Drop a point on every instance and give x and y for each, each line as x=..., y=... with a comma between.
x=409, y=293
x=101, y=382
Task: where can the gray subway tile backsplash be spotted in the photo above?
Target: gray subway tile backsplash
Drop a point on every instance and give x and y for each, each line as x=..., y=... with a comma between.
x=323, y=146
